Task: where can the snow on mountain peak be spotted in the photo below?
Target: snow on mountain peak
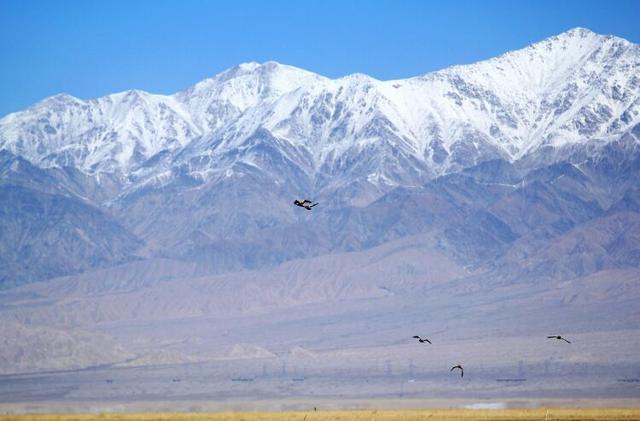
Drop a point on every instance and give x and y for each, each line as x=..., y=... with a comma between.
x=568, y=89
x=277, y=78
x=213, y=102
x=565, y=89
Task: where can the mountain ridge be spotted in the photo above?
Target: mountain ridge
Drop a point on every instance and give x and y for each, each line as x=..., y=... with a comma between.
x=207, y=175
x=444, y=120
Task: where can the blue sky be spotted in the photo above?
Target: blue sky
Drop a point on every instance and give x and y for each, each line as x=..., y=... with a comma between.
x=92, y=48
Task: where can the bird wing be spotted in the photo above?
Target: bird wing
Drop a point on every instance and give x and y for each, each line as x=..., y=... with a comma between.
x=566, y=340
x=417, y=337
x=552, y=337
x=305, y=201
x=461, y=372
x=428, y=340
x=315, y=204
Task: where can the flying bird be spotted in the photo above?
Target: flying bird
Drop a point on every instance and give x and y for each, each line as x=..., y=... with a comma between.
x=307, y=204
x=558, y=337
x=422, y=340
x=461, y=369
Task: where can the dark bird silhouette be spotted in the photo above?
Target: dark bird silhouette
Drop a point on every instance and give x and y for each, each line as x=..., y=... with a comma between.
x=461, y=369
x=558, y=337
x=307, y=204
x=422, y=340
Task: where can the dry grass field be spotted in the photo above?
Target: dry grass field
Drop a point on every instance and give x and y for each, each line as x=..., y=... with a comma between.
x=385, y=415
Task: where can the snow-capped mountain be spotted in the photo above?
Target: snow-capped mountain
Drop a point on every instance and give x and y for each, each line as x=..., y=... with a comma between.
x=573, y=89
x=105, y=134
x=185, y=176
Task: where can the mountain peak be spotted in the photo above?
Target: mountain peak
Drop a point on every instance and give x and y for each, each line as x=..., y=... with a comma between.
x=579, y=31
x=580, y=39
x=266, y=69
x=244, y=86
x=61, y=98
x=584, y=33
x=359, y=78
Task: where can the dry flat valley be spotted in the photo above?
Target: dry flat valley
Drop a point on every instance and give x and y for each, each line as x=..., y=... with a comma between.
x=547, y=414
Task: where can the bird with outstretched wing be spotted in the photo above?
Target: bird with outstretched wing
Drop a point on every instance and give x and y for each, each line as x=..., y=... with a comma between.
x=560, y=338
x=461, y=369
x=306, y=203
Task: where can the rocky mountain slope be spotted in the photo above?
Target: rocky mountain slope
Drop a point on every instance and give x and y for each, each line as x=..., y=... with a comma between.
x=208, y=174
